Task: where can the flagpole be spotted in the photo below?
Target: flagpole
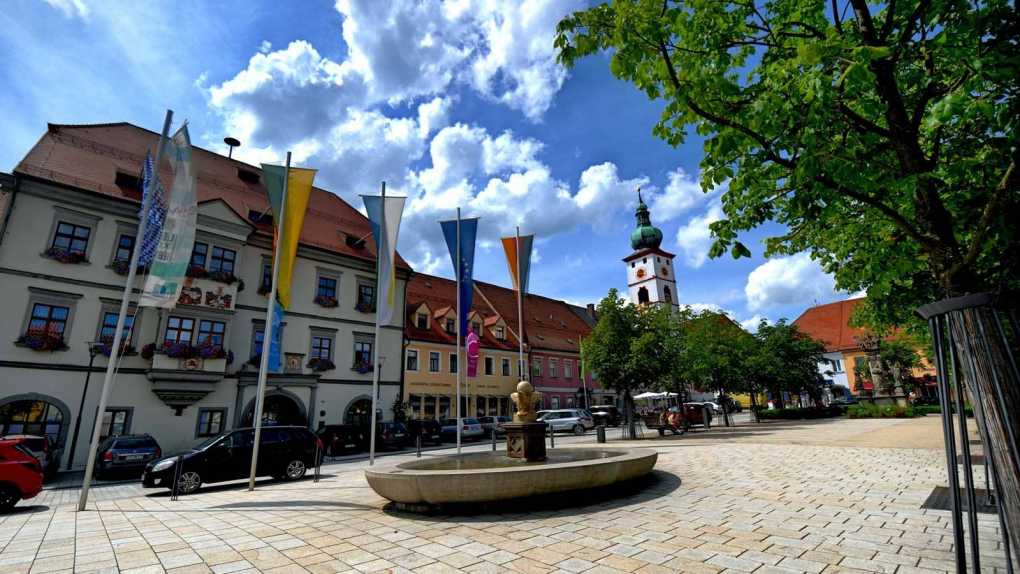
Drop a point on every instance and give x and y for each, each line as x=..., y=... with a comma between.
x=375, y=346
x=460, y=320
x=580, y=368
x=267, y=335
x=520, y=311
x=118, y=334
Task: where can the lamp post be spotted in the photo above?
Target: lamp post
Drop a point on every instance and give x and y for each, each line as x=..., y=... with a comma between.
x=94, y=349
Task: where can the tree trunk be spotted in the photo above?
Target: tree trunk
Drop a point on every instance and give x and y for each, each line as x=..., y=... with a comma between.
x=725, y=407
x=754, y=405
x=628, y=402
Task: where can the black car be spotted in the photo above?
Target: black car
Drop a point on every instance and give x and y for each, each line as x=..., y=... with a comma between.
x=125, y=455
x=606, y=415
x=285, y=452
x=429, y=429
x=391, y=435
x=343, y=439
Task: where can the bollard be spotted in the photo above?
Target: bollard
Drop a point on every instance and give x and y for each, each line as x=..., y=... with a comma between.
x=177, y=477
x=600, y=433
x=552, y=437
x=318, y=463
x=418, y=441
x=493, y=440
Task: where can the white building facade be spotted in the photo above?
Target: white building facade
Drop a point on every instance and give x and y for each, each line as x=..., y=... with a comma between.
x=69, y=221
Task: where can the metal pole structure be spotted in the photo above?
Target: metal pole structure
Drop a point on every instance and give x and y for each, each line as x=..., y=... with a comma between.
x=584, y=383
x=950, y=443
x=375, y=346
x=521, y=367
x=81, y=405
x=460, y=364
x=267, y=336
x=968, y=469
x=118, y=334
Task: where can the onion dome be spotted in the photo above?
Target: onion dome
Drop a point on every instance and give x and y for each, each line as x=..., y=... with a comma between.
x=646, y=236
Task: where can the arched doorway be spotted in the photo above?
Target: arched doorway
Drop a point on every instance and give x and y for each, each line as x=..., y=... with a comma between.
x=35, y=414
x=359, y=412
x=279, y=410
x=642, y=295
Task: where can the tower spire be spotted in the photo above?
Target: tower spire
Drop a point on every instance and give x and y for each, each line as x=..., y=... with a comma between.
x=645, y=235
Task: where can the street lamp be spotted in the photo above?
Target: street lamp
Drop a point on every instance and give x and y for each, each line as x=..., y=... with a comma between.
x=94, y=349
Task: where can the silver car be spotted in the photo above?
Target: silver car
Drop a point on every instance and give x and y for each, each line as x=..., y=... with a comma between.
x=575, y=420
x=471, y=429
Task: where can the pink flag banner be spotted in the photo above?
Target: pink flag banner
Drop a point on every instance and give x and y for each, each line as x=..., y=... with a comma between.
x=472, y=353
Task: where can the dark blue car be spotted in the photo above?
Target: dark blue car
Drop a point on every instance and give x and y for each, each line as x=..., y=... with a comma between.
x=126, y=455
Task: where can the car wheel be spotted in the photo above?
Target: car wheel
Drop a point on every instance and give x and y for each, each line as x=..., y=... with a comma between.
x=9, y=496
x=188, y=482
x=578, y=430
x=295, y=470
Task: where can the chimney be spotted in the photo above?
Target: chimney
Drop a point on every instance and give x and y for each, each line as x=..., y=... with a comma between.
x=591, y=310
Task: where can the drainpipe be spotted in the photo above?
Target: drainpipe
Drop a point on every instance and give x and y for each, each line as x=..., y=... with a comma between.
x=10, y=207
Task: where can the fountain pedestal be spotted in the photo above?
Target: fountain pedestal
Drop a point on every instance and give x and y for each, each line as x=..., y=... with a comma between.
x=525, y=440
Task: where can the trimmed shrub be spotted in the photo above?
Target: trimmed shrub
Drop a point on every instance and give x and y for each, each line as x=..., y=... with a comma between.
x=872, y=411
x=801, y=413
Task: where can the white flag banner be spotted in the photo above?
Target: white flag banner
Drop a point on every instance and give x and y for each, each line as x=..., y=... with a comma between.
x=173, y=255
x=385, y=213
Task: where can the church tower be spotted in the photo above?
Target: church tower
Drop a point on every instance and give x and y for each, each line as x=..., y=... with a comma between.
x=650, y=272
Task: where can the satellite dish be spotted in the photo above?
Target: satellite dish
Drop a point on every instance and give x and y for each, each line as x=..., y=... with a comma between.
x=231, y=144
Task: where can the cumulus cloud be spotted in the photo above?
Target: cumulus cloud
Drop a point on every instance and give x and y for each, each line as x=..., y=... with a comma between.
x=787, y=280
x=71, y=8
x=695, y=237
x=751, y=325
x=682, y=192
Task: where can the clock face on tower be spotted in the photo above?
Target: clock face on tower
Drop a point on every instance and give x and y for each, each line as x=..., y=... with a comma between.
x=664, y=272
x=640, y=273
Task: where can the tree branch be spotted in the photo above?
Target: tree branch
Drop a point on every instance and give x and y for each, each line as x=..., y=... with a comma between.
x=1010, y=180
x=864, y=124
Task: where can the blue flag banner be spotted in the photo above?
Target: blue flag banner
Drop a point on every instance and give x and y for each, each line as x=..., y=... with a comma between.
x=275, y=344
x=465, y=253
x=156, y=215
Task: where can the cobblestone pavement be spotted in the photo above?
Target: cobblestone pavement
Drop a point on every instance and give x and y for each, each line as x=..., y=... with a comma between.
x=739, y=504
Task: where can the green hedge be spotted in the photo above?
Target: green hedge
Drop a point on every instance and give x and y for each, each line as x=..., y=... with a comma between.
x=937, y=410
x=801, y=413
x=871, y=411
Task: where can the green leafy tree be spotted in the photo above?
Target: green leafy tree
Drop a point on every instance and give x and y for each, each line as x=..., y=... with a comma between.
x=607, y=349
x=786, y=360
x=882, y=135
x=898, y=357
x=716, y=355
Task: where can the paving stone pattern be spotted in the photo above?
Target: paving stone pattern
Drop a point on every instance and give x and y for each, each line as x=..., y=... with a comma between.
x=724, y=507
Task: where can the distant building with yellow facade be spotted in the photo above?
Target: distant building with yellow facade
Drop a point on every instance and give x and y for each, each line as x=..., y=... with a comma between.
x=430, y=357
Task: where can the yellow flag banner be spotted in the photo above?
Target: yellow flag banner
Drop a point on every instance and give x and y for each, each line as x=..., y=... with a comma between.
x=290, y=216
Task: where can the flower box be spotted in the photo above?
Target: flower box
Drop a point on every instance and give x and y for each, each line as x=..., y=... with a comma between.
x=265, y=289
x=106, y=347
x=121, y=267
x=365, y=306
x=65, y=256
x=326, y=301
x=361, y=367
x=40, y=341
x=318, y=365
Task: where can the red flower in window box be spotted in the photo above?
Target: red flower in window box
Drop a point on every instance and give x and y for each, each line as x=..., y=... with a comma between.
x=197, y=272
x=148, y=351
x=178, y=350
x=106, y=347
x=326, y=301
x=121, y=267
x=222, y=277
x=318, y=365
x=364, y=306
x=362, y=367
x=42, y=341
x=65, y=256
x=211, y=351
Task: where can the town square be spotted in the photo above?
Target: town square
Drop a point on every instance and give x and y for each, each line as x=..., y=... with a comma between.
x=510, y=286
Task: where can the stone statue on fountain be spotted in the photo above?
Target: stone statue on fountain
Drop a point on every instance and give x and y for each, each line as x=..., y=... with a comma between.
x=525, y=437
x=527, y=400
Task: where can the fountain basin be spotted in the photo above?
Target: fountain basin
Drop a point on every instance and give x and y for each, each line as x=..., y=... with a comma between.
x=491, y=476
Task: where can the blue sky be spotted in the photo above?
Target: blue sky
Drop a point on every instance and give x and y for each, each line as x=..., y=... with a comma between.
x=452, y=103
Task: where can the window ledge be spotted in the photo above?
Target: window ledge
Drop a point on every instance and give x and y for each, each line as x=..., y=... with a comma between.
x=66, y=260
x=26, y=346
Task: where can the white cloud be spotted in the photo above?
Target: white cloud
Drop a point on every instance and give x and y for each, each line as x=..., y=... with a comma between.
x=71, y=8
x=795, y=279
x=682, y=193
x=695, y=237
x=751, y=325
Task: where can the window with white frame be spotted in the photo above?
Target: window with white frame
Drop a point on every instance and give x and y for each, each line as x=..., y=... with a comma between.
x=422, y=321
x=433, y=362
x=506, y=367
x=536, y=367
x=412, y=360
x=552, y=367
x=568, y=368
x=490, y=366
x=500, y=332
x=108, y=326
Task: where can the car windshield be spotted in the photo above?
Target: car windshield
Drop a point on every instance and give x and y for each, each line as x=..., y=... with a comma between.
x=134, y=443
x=206, y=443
x=471, y=421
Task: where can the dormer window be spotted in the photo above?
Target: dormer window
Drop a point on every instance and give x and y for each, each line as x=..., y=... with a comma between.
x=451, y=326
x=423, y=321
x=500, y=333
x=476, y=326
x=247, y=175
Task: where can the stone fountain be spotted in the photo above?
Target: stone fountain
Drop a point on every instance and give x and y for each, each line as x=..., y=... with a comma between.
x=526, y=470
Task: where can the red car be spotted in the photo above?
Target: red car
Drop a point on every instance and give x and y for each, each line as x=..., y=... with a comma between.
x=21, y=475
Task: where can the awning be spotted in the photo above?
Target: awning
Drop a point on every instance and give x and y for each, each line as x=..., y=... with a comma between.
x=655, y=395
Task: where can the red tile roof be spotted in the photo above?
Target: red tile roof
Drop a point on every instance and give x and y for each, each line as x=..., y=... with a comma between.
x=830, y=324
x=88, y=157
x=549, y=324
x=441, y=297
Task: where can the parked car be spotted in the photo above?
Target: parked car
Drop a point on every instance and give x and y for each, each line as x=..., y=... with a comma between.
x=41, y=449
x=919, y=401
x=339, y=440
x=429, y=429
x=125, y=454
x=470, y=430
x=285, y=452
x=489, y=423
x=21, y=475
x=391, y=435
x=606, y=415
x=575, y=420
x=716, y=407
